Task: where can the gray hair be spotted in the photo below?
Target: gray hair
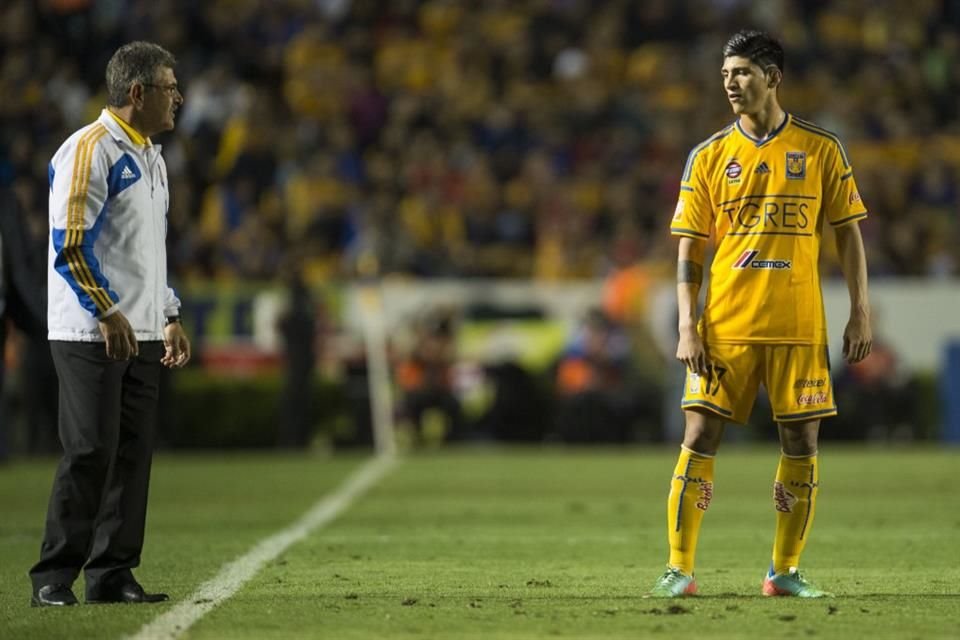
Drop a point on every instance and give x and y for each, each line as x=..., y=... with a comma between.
x=136, y=62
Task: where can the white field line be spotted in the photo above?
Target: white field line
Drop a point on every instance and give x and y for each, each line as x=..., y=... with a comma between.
x=232, y=576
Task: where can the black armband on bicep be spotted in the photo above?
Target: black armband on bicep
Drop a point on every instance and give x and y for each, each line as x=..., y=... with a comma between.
x=689, y=271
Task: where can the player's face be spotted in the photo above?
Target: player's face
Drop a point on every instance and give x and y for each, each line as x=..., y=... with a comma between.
x=747, y=86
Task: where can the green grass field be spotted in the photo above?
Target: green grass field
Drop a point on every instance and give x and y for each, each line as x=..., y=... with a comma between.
x=529, y=543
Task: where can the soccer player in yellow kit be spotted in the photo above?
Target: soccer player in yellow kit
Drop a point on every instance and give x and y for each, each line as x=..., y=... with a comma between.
x=763, y=187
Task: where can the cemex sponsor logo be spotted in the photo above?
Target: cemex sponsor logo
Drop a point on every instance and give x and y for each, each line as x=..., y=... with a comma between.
x=783, y=499
x=810, y=383
x=747, y=260
x=812, y=398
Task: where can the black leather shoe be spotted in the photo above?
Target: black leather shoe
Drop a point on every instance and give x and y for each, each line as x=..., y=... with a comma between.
x=129, y=592
x=53, y=595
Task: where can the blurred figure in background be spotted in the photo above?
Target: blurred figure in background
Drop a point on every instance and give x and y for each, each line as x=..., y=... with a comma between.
x=880, y=398
x=595, y=402
x=22, y=305
x=298, y=328
x=629, y=300
x=428, y=404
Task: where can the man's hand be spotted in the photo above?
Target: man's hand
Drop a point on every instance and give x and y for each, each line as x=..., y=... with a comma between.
x=119, y=337
x=177, y=346
x=691, y=352
x=857, y=338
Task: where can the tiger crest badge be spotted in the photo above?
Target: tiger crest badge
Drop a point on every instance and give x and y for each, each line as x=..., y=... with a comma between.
x=796, y=165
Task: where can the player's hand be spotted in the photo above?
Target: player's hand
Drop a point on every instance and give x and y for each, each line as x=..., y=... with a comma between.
x=691, y=352
x=177, y=352
x=857, y=338
x=120, y=340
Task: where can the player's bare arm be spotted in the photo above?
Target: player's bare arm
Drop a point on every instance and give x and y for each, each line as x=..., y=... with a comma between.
x=858, y=336
x=690, y=349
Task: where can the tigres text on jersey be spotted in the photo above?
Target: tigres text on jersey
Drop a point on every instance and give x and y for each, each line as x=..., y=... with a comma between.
x=765, y=202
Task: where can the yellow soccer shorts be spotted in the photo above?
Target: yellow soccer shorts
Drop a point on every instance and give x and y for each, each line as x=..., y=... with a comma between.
x=796, y=377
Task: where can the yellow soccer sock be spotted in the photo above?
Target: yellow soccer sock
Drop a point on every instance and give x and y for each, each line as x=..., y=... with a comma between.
x=794, y=496
x=691, y=490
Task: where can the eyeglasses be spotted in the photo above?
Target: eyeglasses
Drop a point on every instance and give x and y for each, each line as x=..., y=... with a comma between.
x=169, y=89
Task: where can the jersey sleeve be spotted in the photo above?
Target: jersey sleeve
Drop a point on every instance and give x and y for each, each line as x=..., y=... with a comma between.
x=842, y=201
x=693, y=216
x=78, y=194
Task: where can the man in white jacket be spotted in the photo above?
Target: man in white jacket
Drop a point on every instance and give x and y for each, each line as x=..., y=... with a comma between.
x=113, y=321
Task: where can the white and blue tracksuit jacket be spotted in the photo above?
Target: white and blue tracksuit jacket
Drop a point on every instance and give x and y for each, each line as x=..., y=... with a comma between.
x=108, y=227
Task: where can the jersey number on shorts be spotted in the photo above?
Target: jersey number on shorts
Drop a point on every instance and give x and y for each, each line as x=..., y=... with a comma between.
x=714, y=374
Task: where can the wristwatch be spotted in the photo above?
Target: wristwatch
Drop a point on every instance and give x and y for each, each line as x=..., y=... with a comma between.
x=172, y=319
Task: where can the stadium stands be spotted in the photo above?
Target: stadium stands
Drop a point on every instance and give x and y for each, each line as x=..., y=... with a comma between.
x=483, y=139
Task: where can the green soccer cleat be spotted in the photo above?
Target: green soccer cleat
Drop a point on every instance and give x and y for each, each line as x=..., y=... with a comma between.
x=791, y=584
x=673, y=584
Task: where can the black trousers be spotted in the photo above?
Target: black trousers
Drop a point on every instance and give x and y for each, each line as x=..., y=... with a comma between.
x=98, y=505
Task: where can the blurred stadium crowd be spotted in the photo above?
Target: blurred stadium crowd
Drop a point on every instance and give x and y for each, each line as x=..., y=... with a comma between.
x=496, y=138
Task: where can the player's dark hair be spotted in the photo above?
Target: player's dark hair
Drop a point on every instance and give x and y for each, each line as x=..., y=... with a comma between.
x=758, y=47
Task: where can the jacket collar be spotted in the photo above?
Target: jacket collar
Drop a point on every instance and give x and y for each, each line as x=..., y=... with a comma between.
x=122, y=131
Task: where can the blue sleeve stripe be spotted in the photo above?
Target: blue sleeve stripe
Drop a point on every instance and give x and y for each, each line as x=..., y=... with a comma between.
x=686, y=189
x=92, y=265
x=65, y=264
x=843, y=221
x=848, y=174
x=73, y=264
x=79, y=260
x=677, y=231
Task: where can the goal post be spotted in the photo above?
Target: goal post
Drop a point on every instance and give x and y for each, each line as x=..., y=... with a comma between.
x=379, y=381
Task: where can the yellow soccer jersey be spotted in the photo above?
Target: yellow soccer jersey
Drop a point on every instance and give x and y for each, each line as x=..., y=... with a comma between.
x=765, y=201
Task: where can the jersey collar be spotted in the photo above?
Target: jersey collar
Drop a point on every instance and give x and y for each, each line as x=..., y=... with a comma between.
x=773, y=134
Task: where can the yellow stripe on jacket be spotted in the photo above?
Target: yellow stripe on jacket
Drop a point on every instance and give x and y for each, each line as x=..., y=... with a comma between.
x=76, y=206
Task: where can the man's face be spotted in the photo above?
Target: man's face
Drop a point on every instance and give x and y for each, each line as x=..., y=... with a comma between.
x=161, y=99
x=747, y=85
